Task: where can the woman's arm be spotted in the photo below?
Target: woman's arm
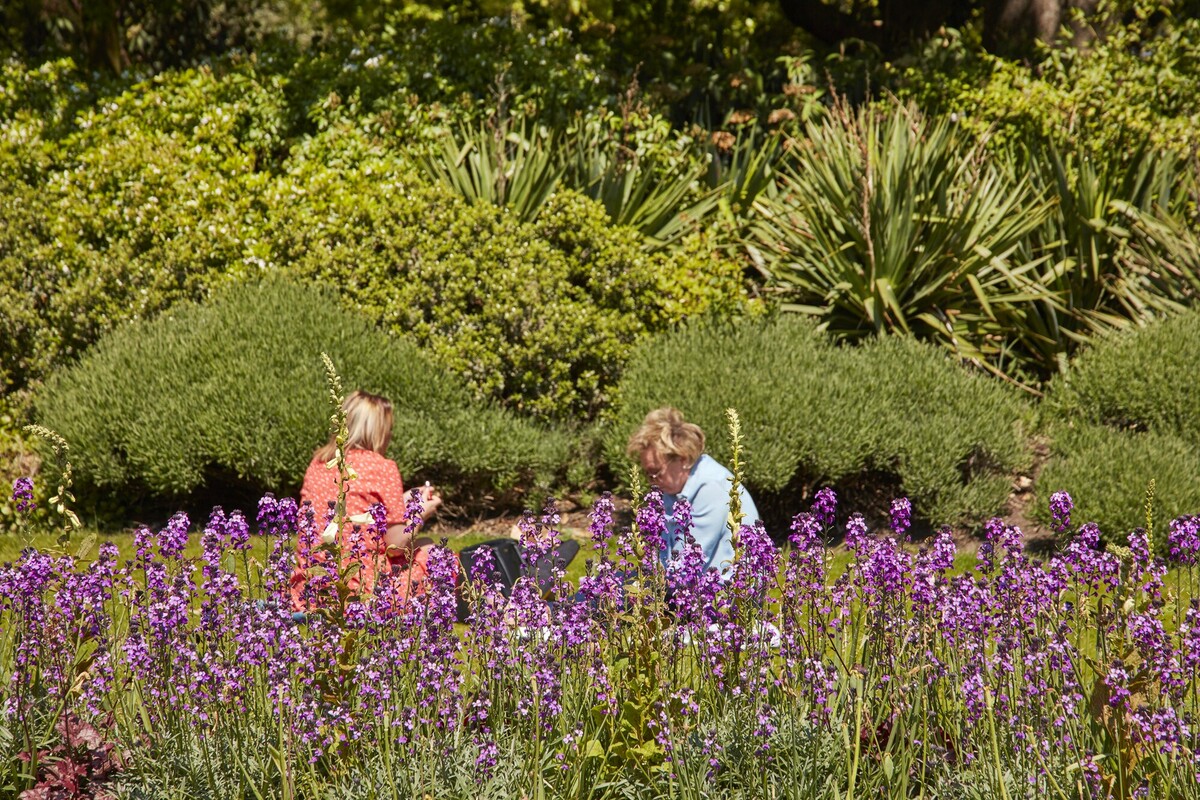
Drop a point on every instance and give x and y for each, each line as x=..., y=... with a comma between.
x=396, y=537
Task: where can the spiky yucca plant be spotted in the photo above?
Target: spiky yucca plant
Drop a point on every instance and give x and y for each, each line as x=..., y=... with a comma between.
x=1111, y=251
x=516, y=163
x=891, y=222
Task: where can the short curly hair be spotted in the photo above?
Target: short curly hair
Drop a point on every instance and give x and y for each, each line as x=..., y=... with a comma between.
x=666, y=432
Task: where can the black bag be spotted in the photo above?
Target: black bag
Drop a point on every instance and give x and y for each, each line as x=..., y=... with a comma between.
x=509, y=561
x=506, y=558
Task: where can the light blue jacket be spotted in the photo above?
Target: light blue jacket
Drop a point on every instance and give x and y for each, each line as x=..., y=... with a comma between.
x=707, y=490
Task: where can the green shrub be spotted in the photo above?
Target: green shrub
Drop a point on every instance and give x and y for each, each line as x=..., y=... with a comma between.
x=231, y=394
x=889, y=222
x=1102, y=247
x=538, y=315
x=1126, y=413
x=185, y=182
x=892, y=412
x=1141, y=380
x=1136, y=83
x=151, y=200
x=1106, y=471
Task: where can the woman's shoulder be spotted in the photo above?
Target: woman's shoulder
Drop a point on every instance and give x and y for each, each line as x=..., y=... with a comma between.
x=368, y=459
x=709, y=481
x=709, y=467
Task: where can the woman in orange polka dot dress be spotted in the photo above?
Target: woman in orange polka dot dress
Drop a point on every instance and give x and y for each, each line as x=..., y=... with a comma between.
x=375, y=479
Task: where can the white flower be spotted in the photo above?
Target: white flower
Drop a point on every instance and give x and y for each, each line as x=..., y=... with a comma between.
x=362, y=519
x=329, y=535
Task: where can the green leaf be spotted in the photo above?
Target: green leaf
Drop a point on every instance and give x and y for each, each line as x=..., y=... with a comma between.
x=593, y=749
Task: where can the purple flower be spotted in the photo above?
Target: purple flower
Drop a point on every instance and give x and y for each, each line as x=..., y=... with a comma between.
x=22, y=493
x=856, y=534
x=174, y=537
x=651, y=524
x=1083, y=559
x=1183, y=539
x=1060, y=511
x=825, y=506
x=901, y=513
x=1117, y=681
x=276, y=517
x=601, y=522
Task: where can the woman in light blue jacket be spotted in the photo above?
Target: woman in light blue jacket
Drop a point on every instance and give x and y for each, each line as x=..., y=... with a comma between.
x=671, y=451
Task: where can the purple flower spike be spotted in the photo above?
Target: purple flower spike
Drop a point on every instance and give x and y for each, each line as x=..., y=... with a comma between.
x=1183, y=540
x=901, y=513
x=1060, y=511
x=824, y=505
x=276, y=517
x=174, y=537
x=856, y=533
x=22, y=493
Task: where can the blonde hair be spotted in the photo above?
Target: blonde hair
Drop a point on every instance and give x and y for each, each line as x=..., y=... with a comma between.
x=666, y=432
x=368, y=425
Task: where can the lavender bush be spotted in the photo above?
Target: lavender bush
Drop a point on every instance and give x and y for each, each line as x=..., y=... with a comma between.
x=160, y=675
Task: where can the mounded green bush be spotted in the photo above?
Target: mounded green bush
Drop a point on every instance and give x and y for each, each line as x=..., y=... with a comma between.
x=1106, y=471
x=539, y=315
x=1135, y=84
x=892, y=411
x=1142, y=380
x=149, y=200
x=233, y=394
x=177, y=185
x=1128, y=414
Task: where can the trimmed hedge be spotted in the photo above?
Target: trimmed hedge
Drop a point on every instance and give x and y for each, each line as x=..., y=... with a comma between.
x=891, y=415
x=1106, y=471
x=1128, y=414
x=232, y=395
x=1143, y=380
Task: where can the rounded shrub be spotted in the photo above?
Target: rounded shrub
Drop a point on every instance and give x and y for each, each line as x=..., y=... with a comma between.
x=151, y=198
x=1127, y=414
x=1140, y=380
x=538, y=315
x=230, y=396
x=893, y=415
x=1107, y=472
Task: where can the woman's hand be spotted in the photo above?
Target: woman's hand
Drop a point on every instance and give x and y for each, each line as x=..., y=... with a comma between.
x=430, y=501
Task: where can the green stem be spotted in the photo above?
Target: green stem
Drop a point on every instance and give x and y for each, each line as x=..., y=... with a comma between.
x=858, y=713
x=995, y=745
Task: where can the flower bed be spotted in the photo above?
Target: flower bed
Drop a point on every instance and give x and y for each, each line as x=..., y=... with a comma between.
x=1073, y=677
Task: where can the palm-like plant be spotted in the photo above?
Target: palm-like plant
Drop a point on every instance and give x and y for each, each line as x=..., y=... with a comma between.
x=1101, y=248
x=503, y=164
x=746, y=179
x=892, y=222
x=1172, y=247
x=516, y=163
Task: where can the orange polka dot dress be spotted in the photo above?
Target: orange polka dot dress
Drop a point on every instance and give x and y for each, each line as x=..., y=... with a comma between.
x=376, y=480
